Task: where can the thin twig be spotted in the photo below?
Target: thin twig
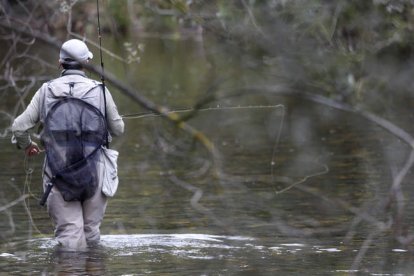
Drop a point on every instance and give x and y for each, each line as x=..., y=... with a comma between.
x=363, y=250
x=14, y=202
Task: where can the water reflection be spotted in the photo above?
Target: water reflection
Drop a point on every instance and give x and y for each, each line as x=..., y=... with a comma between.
x=89, y=262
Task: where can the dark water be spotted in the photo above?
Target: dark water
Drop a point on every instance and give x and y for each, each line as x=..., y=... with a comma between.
x=296, y=183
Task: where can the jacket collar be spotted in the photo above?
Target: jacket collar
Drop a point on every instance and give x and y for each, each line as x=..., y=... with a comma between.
x=72, y=72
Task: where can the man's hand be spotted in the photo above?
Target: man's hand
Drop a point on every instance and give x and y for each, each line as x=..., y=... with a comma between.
x=32, y=149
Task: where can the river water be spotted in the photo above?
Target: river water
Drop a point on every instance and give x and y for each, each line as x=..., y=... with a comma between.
x=288, y=194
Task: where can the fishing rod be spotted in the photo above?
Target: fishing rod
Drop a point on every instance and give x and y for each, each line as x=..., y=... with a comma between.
x=102, y=67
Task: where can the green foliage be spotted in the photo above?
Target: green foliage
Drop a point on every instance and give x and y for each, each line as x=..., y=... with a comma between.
x=119, y=12
x=338, y=48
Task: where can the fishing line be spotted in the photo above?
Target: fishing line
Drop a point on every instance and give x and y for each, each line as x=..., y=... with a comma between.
x=275, y=145
x=153, y=114
x=219, y=108
x=304, y=179
x=28, y=175
x=28, y=180
x=325, y=169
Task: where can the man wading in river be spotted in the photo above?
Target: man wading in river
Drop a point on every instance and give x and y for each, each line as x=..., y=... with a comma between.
x=73, y=140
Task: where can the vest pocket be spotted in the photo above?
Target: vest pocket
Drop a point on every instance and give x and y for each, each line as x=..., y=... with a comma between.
x=110, y=175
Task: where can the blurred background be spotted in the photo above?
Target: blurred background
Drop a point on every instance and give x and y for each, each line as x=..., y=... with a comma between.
x=308, y=105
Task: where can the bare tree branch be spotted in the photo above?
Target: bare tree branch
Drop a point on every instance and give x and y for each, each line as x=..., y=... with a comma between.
x=127, y=90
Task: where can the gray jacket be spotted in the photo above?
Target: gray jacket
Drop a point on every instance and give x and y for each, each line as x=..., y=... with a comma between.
x=84, y=88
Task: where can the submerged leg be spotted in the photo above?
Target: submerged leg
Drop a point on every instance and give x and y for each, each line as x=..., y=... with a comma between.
x=93, y=213
x=68, y=219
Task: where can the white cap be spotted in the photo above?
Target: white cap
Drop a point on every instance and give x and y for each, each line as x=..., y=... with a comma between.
x=75, y=49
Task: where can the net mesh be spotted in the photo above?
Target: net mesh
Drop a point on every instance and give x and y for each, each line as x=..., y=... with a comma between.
x=73, y=133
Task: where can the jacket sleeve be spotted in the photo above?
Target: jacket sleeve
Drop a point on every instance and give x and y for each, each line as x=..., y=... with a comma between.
x=25, y=121
x=115, y=123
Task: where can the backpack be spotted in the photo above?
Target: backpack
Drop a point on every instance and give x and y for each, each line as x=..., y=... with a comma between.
x=74, y=132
